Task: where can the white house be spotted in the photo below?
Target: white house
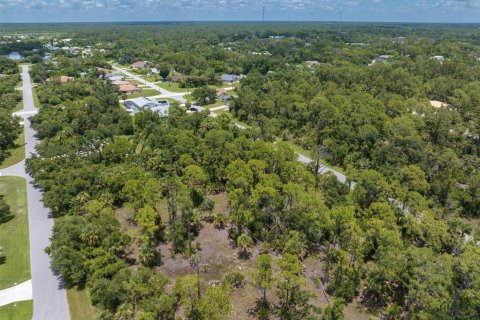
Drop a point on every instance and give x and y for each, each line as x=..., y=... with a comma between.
x=134, y=105
x=438, y=58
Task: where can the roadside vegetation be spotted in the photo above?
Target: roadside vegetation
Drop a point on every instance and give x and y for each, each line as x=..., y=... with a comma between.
x=14, y=236
x=22, y=310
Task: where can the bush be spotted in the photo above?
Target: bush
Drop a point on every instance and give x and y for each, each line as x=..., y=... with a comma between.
x=5, y=212
x=234, y=279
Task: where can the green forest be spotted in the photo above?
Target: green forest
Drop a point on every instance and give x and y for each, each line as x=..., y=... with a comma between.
x=204, y=215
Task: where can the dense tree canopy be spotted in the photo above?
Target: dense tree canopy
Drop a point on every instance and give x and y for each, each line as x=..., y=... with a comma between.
x=394, y=239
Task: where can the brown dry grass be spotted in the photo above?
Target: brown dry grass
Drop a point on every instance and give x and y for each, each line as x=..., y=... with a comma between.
x=218, y=256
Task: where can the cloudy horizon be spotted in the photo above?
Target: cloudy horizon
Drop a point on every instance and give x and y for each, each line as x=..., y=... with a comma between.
x=447, y=11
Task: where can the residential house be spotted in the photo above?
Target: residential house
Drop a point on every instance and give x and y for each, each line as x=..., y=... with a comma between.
x=128, y=88
x=438, y=58
x=113, y=77
x=62, y=79
x=381, y=59
x=438, y=104
x=139, y=64
x=134, y=105
x=119, y=82
x=226, y=77
x=312, y=63
x=222, y=95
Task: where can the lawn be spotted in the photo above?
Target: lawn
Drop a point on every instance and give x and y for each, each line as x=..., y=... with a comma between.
x=221, y=111
x=14, y=234
x=153, y=78
x=36, y=100
x=142, y=93
x=22, y=310
x=173, y=87
x=217, y=103
x=17, y=154
x=136, y=82
x=79, y=305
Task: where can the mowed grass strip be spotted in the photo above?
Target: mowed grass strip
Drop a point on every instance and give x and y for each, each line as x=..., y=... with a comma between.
x=16, y=155
x=79, y=305
x=14, y=234
x=21, y=310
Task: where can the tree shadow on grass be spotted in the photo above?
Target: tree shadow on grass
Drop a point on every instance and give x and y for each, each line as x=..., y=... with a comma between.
x=6, y=219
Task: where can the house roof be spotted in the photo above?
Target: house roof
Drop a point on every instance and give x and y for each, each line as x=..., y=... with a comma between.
x=438, y=104
x=141, y=101
x=230, y=77
x=119, y=82
x=127, y=87
x=139, y=64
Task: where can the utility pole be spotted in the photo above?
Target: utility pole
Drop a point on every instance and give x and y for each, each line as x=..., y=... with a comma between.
x=263, y=15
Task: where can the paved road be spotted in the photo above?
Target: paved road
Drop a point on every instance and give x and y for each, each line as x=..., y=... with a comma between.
x=49, y=296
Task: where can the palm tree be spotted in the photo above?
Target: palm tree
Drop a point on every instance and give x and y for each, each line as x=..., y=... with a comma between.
x=245, y=242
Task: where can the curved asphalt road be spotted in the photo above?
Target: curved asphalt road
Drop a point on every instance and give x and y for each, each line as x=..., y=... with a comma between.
x=49, y=295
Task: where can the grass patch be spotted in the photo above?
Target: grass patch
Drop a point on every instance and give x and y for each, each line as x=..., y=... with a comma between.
x=36, y=100
x=79, y=305
x=142, y=93
x=237, y=121
x=17, y=154
x=136, y=82
x=14, y=234
x=174, y=87
x=217, y=103
x=153, y=78
x=22, y=310
x=221, y=111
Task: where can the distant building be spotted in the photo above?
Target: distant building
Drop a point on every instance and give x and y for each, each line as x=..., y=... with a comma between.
x=312, y=63
x=113, y=77
x=62, y=79
x=381, y=59
x=438, y=104
x=226, y=77
x=134, y=105
x=139, y=64
x=119, y=82
x=222, y=95
x=128, y=88
x=154, y=70
x=438, y=58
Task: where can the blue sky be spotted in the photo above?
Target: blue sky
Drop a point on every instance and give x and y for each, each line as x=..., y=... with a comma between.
x=293, y=10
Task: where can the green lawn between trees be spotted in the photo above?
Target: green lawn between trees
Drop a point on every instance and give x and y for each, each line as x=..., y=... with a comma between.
x=17, y=154
x=14, y=240
x=79, y=305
